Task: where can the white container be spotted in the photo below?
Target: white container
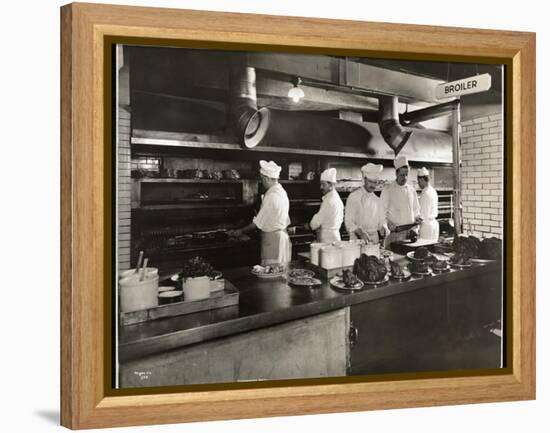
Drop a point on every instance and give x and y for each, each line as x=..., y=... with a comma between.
x=331, y=257
x=138, y=295
x=371, y=250
x=196, y=288
x=350, y=252
x=314, y=249
x=132, y=272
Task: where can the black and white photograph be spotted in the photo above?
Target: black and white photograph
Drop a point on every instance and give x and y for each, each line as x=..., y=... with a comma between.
x=285, y=215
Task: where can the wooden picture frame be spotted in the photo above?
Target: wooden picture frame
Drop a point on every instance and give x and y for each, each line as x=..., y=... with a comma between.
x=87, y=397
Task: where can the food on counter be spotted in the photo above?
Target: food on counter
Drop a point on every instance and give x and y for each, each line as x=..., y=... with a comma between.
x=413, y=236
x=196, y=267
x=231, y=174
x=421, y=253
x=419, y=267
x=464, y=247
x=369, y=268
x=440, y=265
x=269, y=269
x=471, y=247
x=474, y=245
x=490, y=248
x=461, y=259
x=206, y=174
x=140, y=173
x=396, y=270
x=305, y=281
x=301, y=273
x=190, y=174
x=217, y=175
x=350, y=279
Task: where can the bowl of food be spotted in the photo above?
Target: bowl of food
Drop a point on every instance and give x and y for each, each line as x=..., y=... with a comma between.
x=419, y=268
x=440, y=265
x=370, y=269
x=419, y=255
x=347, y=281
x=398, y=272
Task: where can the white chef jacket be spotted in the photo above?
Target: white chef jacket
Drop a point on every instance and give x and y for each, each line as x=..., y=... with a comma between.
x=273, y=214
x=428, y=203
x=364, y=210
x=429, y=229
x=272, y=220
x=400, y=203
x=330, y=215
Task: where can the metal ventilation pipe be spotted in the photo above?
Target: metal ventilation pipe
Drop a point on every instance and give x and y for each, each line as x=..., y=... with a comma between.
x=249, y=123
x=394, y=134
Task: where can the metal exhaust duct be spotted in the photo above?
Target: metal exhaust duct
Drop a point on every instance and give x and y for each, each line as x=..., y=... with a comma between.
x=249, y=123
x=394, y=134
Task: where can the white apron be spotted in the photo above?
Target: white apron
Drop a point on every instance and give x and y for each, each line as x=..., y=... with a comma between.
x=429, y=230
x=276, y=248
x=328, y=236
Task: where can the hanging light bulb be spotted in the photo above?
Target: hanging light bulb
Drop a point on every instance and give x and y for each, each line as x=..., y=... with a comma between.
x=296, y=94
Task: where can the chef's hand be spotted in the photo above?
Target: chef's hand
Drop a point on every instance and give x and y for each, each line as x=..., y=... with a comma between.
x=362, y=235
x=418, y=219
x=392, y=226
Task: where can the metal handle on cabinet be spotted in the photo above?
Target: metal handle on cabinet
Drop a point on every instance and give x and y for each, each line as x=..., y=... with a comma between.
x=353, y=334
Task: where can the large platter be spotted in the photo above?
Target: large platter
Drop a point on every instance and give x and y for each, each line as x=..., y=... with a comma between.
x=338, y=282
x=267, y=276
x=378, y=283
x=305, y=281
x=406, y=275
x=301, y=273
x=411, y=257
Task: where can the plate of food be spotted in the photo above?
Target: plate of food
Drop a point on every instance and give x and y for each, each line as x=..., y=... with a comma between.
x=440, y=265
x=347, y=281
x=398, y=273
x=419, y=268
x=305, y=281
x=268, y=272
x=370, y=270
x=301, y=273
x=462, y=264
x=378, y=283
x=419, y=255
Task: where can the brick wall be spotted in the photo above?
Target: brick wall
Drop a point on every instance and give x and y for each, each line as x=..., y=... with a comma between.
x=482, y=170
x=124, y=189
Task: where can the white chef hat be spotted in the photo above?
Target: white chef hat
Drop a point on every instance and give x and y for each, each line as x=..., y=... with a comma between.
x=422, y=172
x=329, y=175
x=400, y=161
x=270, y=169
x=371, y=171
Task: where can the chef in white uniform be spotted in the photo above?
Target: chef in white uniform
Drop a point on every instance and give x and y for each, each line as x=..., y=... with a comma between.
x=328, y=220
x=272, y=219
x=364, y=216
x=400, y=203
x=429, y=229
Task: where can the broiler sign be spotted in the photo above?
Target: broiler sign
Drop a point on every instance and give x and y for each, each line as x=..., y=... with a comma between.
x=465, y=86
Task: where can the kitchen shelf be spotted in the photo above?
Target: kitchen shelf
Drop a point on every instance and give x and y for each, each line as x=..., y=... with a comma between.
x=175, y=180
x=187, y=206
x=190, y=141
